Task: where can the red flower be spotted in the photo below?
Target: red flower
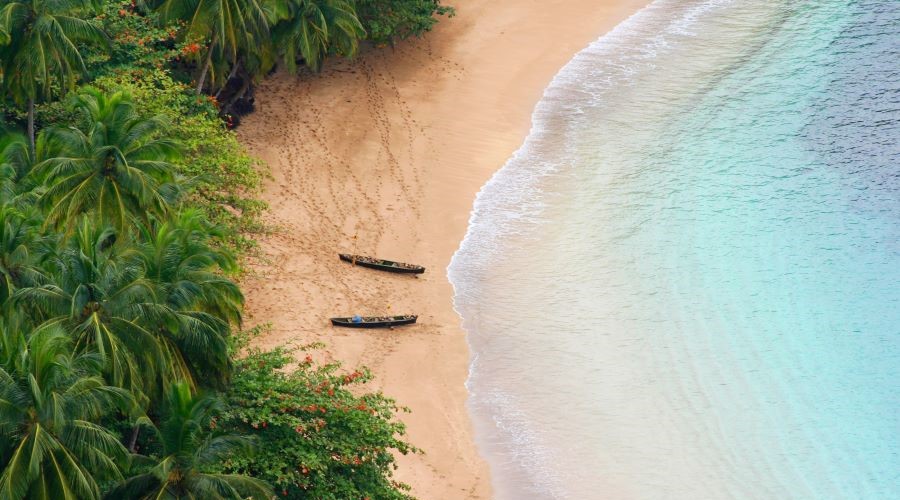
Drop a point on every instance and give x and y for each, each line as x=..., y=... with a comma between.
x=191, y=48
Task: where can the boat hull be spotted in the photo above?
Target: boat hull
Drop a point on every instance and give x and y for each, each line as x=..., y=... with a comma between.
x=384, y=265
x=375, y=322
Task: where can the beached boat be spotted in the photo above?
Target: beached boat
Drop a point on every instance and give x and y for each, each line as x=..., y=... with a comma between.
x=381, y=264
x=374, y=321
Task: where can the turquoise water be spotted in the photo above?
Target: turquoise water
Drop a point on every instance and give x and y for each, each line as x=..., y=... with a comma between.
x=686, y=283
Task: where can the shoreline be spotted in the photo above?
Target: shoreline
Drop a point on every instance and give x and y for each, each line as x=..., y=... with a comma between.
x=383, y=156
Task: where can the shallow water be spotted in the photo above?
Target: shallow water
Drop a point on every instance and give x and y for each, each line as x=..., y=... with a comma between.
x=685, y=283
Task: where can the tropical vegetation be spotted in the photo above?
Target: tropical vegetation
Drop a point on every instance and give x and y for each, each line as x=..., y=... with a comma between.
x=126, y=203
x=189, y=446
x=39, y=49
x=319, y=434
x=387, y=21
x=50, y=402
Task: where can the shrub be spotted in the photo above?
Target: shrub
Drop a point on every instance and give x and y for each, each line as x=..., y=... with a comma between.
x=389, y=20
x=316, y=437
x=139, y=40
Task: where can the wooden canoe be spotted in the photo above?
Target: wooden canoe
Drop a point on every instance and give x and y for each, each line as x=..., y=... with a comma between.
x=381, y=264
x=374, y=321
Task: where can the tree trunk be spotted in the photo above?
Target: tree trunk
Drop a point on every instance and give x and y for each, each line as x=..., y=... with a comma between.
x=31, y=146
x=234, y=70
x=132, y=442
x=206, y=64
x=237, y=96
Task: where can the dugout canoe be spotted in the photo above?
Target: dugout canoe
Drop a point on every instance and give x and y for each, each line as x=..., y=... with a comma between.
x=381, y=264
x=374, y=321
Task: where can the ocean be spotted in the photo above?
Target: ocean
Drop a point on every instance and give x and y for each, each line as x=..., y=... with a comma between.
x=686, y=282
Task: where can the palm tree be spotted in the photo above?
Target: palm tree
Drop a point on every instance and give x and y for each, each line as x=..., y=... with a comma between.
x=150, y=330
x=313, y=28
x=185, y=270
x=231, y=25
x=39, y=47
x=189, y=448
x=49, y=401
x=19, y=184
x=19, y=242
x=119, y=166
x=16, y=161
x=20, y=239
x=94, y=290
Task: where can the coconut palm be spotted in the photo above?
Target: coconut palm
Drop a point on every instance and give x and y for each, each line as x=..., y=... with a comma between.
x=149, y=331
x=118, y=166
x=185, y=271
x=16, y=161
x=179, y=254
x=39, y=48
x=230, y=25
x=311, y=29
x=19, y=244
x=94, y=290
x=20, y=240
x=49, y=401
x=8, y=184
x=190, y=447
x=18, y=184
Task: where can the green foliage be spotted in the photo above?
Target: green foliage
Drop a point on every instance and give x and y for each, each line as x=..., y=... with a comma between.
x=180, y=259
x=141, y=307
x=130, y=293
x=18, y=238
x=140, y=39
x=96, y=288
x=317, y=437
x=16, y=163
x=312, y=29
x=190, y=446
x=49, y=400
x=225, y=28
x=85, y=289
x=39, y=49
x=223, y=177
x=388, y=20
x=116, y=166
x=40, y=46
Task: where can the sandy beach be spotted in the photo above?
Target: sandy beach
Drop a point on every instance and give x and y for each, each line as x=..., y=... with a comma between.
x=383, y=156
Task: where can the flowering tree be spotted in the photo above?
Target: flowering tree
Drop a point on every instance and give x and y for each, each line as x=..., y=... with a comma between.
x=316, y=438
